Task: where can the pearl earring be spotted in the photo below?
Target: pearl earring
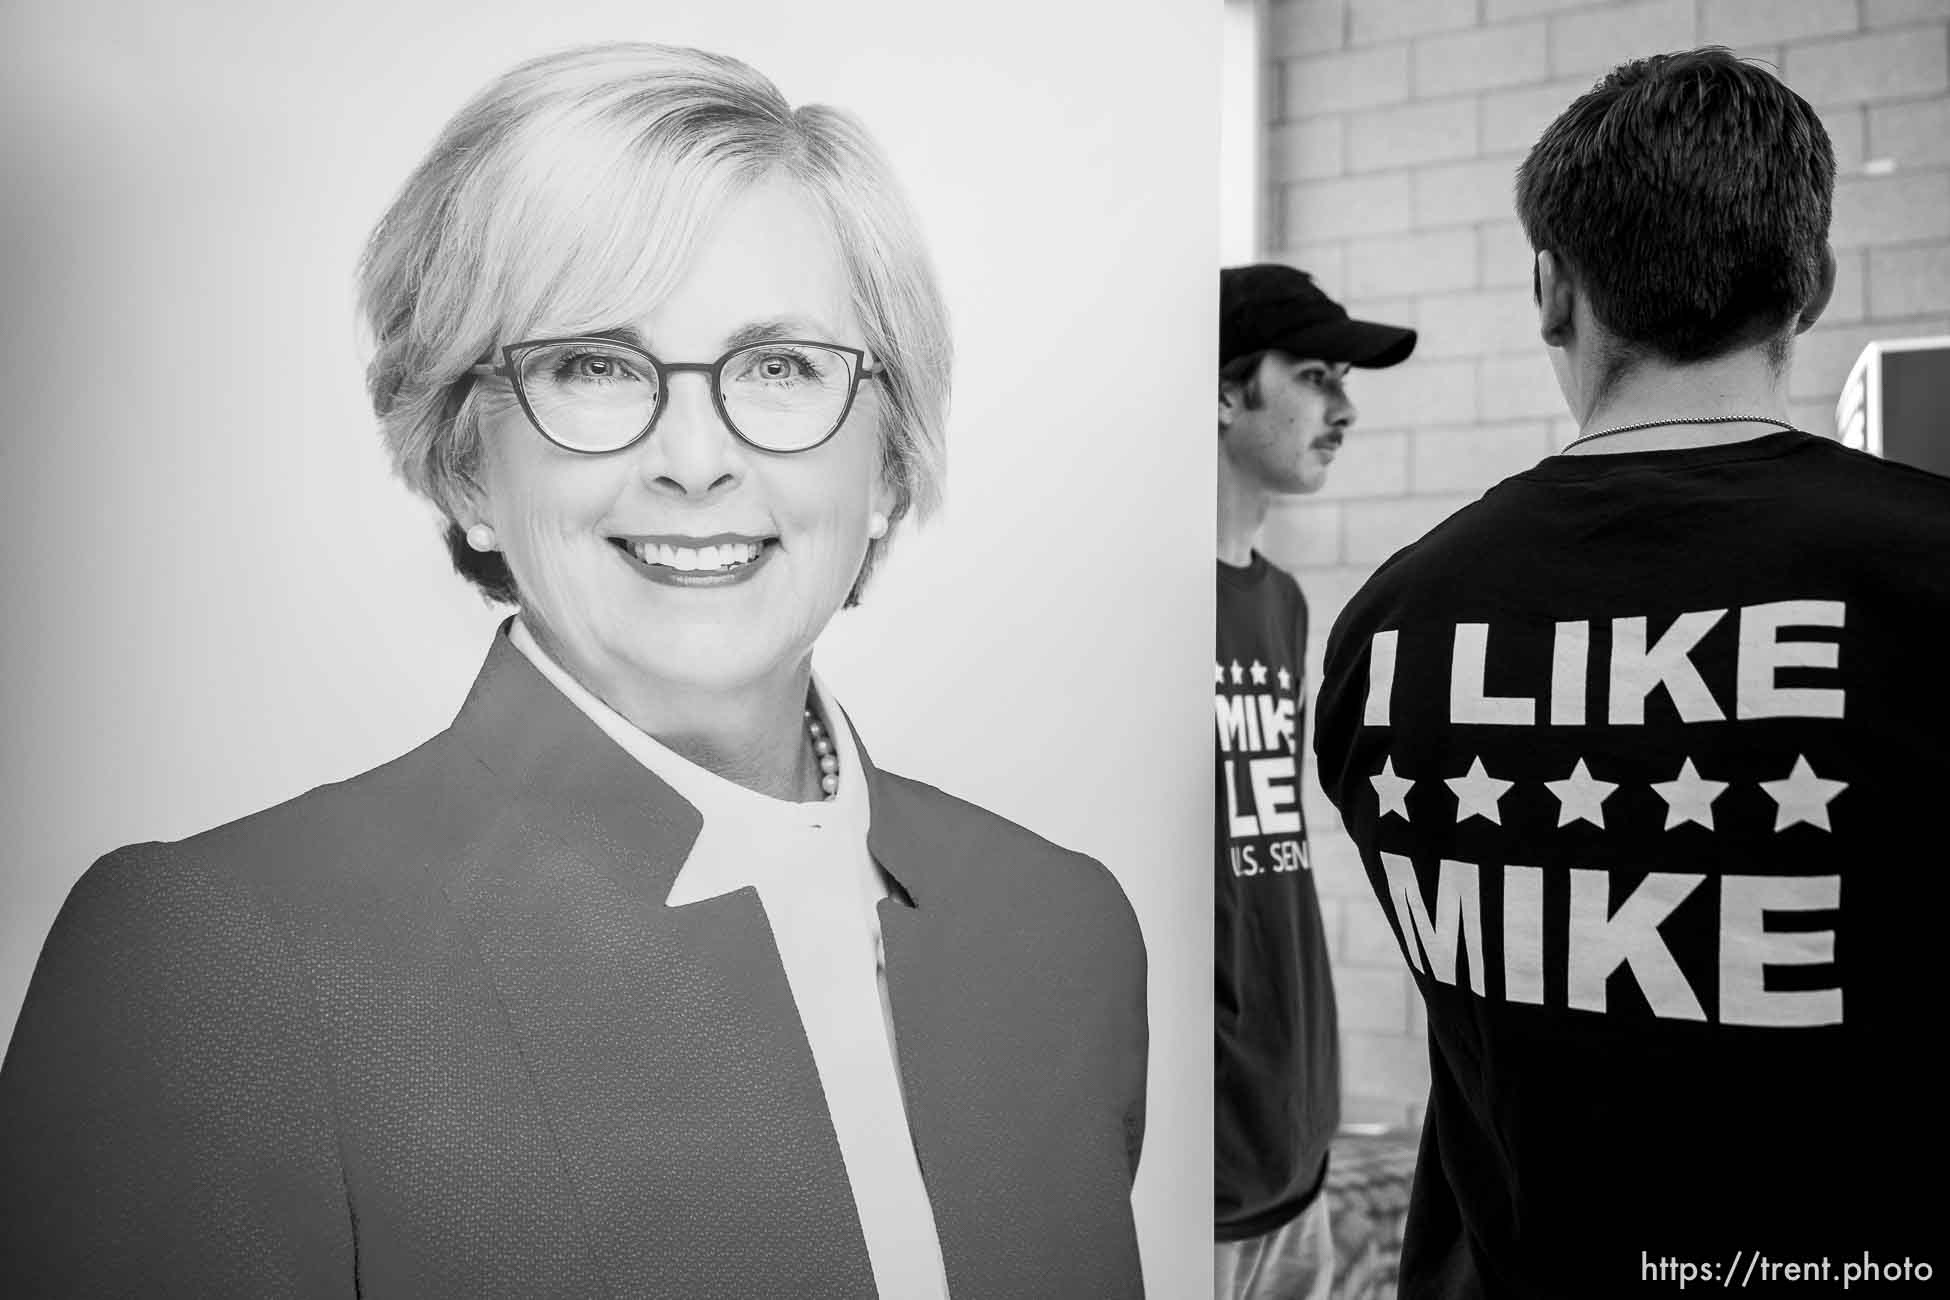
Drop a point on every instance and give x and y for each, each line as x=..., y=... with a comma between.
x=480, y=537
x=876, y=525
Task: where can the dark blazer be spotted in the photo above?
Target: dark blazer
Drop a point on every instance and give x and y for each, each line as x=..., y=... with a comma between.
x=433, y=1032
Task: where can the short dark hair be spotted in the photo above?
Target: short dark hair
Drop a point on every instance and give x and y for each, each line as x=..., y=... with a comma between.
x=1243, y=373
x=1689, y=195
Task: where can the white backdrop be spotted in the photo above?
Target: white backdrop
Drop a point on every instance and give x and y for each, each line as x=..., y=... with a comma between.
x=216, y=596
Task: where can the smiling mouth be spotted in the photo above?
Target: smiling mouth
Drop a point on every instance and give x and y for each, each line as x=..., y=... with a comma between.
x=1328, y=442
x=701, y=556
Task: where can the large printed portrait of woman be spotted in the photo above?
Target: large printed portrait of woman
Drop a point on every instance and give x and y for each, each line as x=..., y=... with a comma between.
x=605, y=589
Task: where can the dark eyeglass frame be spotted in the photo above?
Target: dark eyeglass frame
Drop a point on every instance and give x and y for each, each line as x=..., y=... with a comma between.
x=512, y=354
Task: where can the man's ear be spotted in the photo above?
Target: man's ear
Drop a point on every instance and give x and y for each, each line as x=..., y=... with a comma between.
x=1824, y=290
x=1228, y=404
x=1556, y=299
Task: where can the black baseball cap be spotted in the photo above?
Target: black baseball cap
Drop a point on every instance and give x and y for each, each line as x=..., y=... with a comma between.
x=1268, y=307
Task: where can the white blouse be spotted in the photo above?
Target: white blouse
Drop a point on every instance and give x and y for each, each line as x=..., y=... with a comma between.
x=820, y=889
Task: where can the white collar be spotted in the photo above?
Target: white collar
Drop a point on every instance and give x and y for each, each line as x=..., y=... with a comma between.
x=740, y=825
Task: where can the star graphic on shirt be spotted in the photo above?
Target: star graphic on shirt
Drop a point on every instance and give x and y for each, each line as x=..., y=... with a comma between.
x=1477, y=792
x=1259, y=673
x=1581, y=797
x=1286, y=680
x=1801, y=796
x=1237, y=672
x=1689, y=797
x=1392, y=790
x=1218, y=674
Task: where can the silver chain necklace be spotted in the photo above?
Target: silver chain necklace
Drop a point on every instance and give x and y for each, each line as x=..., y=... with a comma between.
x=1660, y=424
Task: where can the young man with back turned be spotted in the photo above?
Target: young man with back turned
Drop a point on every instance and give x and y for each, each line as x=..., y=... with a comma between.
x=1640, y=752
x=1284, y=351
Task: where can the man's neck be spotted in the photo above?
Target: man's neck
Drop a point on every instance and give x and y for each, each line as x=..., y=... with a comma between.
x=1242, y=509
x=1743, y=383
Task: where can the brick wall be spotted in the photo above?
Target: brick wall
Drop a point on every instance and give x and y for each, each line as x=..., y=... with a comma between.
x=1395, y=130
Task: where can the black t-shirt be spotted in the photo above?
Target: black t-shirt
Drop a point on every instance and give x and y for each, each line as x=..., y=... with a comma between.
x=1640, y=752
x=1277, y=1078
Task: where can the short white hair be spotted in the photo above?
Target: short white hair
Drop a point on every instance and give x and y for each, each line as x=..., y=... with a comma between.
x=572, y=190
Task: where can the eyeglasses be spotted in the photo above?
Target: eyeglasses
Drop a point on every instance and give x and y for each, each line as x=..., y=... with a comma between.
x=595, y=395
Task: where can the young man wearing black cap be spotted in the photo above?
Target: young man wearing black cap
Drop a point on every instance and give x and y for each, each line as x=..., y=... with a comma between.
x=1644, y=754
x=1284, y=351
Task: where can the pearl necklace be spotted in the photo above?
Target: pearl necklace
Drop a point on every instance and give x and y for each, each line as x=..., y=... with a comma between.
x=1659, y=424
x=829, y=762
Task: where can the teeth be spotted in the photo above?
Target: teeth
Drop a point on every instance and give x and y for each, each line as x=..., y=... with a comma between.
x=698, y=559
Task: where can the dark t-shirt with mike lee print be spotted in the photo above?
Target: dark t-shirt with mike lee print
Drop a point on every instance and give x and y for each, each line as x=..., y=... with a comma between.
x=1277, y=1080
x=1645, y=756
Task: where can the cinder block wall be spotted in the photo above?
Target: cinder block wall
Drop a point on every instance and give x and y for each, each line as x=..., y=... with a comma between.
x=1395, y=129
